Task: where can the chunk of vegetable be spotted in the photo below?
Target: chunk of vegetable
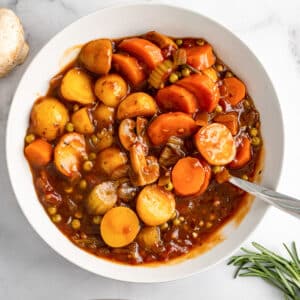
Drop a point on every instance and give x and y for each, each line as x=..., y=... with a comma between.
x=243, y=154
x=137, y=104
x=109, y=159
x=129, y=67
x=149, y=237
x=39, y=153
x=155, y=205
x=127, y=133
x=170, y=124
x=145, y=170
x=96, y=56
x=188, y=176
x=200, y=57
x=77, y=86
x=161, y=40
x=119, y=227
x=104, y=116
x=48, y=118
x=111, y=89
x=176, y=98
x=205, y=90
x=69, y=154
x=82, y=122
x=233, y=90
x=230, y=120
x=144, y=50
x=216, y=144
x=102, y=198
x=159, y=75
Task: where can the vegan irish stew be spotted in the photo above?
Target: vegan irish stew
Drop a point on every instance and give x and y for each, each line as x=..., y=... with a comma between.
x=132, y=147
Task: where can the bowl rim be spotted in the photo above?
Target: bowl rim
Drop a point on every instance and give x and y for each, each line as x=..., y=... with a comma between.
x=275, y=181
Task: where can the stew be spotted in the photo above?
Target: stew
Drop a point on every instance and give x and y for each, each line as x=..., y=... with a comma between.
x=132, y=147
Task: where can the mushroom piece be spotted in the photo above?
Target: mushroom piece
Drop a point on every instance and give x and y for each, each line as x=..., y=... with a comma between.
x=131, y=131
x=13, y=47
x=145, y=169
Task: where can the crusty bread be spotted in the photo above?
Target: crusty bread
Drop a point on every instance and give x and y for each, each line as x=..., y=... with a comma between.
x=13, y=47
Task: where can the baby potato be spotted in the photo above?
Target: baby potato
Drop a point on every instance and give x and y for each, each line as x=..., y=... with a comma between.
x=109, y=159
x=77, y=86
x=155, y=205
x=137, y=104
x=104, y=115
x=69, y=154
x=48, y=118
x=111, y=89
x=102, y=198
x=96, y=56
x=82, y=122
x=149, y=237
x=119, y=227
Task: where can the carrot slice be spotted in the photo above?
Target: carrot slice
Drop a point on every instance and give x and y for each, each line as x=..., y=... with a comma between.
x=233, y=90
x=200, y=57
x=39, y=153
x=216, y=144
x=144, y=50
x=207, y=170
x=188, y=176
x=119, y=226
x=176, y=98
x=170, y=124
x=129, y=67
x=243, y=154
x=205, y=90
x=230, y=120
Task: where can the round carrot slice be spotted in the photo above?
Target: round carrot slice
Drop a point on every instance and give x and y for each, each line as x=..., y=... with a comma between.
x=119, y=226
x=216, y=144
x=234, y=90
x=188, y=176
x=243, y=154
x=207, y=170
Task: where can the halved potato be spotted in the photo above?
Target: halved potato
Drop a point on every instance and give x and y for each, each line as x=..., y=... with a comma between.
x=109, y=159
x=137, y=104
x=82, y=122
x=111, y=89
x=149, y=237
x=48, y=118
x=77, y=86
x=119, y=227
x=155, y=205
x=69, y=154
x=96, y=56
x=102, y=198
x=104, y=115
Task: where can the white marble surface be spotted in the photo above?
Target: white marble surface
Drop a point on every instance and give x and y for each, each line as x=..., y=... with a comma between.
x=29, y=269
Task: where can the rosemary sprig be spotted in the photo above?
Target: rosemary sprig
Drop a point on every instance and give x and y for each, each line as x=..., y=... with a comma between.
x=280, y=272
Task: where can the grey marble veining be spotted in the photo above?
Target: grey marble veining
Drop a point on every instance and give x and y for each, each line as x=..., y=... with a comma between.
x=29, y=269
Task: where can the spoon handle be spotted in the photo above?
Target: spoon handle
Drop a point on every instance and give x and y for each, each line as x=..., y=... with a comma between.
x=288, y=204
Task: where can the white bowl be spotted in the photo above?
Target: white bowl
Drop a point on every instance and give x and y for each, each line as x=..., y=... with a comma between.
x=126, y=21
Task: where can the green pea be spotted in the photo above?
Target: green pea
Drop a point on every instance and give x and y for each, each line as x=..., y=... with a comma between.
x=173, y=78
x=29, y=138
x=186, y=72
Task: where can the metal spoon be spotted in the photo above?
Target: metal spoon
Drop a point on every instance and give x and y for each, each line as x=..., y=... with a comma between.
x=286, y=203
